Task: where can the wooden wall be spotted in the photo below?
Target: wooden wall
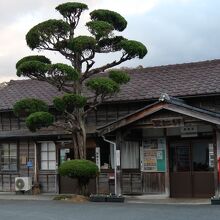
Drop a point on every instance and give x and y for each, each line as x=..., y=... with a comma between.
x=104, y=183
x=7, y=182
x=47, y=182
x=153, y=183
x=133, y=182
x=111, y=112
x=25, y=154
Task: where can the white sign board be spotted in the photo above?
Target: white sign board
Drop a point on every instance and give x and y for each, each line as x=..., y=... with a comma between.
x=211, y=156
x=97, y=157
x=118, y=160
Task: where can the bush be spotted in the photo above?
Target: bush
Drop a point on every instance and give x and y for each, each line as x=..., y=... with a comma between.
x=83, y=170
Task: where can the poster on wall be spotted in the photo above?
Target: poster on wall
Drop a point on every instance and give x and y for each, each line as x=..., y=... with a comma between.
x=154, y=155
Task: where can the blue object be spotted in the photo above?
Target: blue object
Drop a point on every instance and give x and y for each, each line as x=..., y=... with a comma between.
x=29, y=164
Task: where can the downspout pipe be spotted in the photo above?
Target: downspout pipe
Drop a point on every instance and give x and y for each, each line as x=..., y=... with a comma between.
x=115, y=165
x=35, y=164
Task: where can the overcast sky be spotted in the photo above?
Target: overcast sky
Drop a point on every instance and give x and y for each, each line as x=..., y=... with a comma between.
x=174, y=31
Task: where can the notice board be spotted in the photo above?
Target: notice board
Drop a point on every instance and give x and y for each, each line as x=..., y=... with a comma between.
x=154, y=155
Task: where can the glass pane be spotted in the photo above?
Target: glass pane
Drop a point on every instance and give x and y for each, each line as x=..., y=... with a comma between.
x=13, y=153
x=44, y=165
x=52, y=165
x=43, y=146
x=13, y=160
x=5, y=167
x=44, y=155
x=13, y=147
x=182, y=158
x=5, y=150
x=202, y=156
x=51, y=146
x=52, y=155
x=13, y=166
x=5, y=147
x=5, y=160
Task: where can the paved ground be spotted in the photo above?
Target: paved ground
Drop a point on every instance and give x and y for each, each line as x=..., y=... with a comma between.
x=13, y=196
x=146, y=199
x=158, y=199
x=57, y=210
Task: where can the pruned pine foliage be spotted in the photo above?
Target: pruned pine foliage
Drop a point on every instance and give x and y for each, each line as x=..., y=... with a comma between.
x=59, y=36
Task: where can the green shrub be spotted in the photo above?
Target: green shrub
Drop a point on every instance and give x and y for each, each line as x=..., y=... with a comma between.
x=83, y=170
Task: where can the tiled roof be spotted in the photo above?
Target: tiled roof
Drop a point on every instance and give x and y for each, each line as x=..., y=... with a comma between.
x=188, y=79
x=181, y=80
x=20, y=89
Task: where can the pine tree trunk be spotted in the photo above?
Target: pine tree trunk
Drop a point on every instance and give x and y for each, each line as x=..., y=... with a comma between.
x=79, y=140
x=79, y=136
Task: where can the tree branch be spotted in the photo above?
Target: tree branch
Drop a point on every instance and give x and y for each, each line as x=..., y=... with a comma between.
x=62, y=125
x=124, y=58
x=97, y=101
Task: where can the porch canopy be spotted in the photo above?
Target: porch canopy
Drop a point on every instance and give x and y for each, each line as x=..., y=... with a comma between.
x=165, y=102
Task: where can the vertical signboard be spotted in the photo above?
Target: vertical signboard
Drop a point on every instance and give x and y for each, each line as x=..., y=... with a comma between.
x=118, y=158
x=97, y=157
x=211, y=155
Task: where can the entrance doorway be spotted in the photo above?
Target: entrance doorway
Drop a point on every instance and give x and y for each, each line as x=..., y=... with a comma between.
x=191, y=169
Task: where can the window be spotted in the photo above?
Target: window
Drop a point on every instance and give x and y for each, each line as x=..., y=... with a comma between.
x=203, y=156
x=8, y=157
x=130, y=155
x=48, y=156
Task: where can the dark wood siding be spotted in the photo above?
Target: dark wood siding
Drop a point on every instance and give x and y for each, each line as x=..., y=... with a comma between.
x=105, y=185
x=47, y=182
x=108, y=112
x=131, y=182
x=153, y=183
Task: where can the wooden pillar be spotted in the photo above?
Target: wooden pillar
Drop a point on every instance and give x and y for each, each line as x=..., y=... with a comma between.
x=216, y=157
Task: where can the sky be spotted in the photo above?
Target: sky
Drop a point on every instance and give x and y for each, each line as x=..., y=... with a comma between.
x=174, y=31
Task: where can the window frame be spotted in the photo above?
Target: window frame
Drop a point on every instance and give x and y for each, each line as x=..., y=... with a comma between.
x=47, y=160
x=9, y=157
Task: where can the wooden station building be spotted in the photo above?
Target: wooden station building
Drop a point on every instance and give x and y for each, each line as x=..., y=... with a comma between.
x=165, y=123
